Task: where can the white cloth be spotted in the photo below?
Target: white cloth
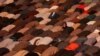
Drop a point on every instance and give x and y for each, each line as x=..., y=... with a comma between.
x=69, y=24
x=44, y=41
x=96, y=31
x=92, y=35
x=34, y=39
x=91, y=22
x=41, y=40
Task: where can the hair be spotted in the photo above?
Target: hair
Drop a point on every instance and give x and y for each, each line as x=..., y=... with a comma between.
x=31, y=54
x=92, y=12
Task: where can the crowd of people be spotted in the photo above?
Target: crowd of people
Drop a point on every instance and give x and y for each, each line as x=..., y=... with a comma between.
x=49, y=27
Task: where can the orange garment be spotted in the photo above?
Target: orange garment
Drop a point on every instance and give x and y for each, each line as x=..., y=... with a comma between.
x=72, y=46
